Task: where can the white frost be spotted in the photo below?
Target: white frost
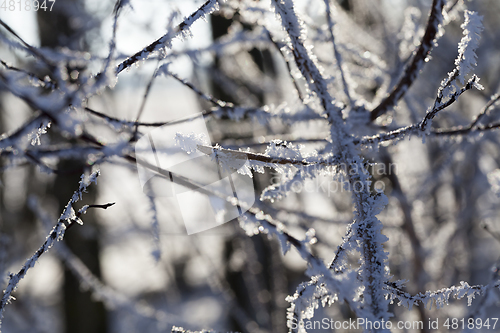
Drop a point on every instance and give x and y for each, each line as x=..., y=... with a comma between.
x=472, y=28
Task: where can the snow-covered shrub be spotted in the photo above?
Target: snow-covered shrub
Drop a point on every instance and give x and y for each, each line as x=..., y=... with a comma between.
x=374, y=154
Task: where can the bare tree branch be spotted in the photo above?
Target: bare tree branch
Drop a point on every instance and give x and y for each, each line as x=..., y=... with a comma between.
x=413, y=68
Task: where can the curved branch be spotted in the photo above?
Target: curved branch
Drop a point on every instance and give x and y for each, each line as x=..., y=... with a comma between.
x=412, y=70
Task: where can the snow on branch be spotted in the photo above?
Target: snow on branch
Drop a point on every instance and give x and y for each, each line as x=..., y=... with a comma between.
x=67, y=218
x=46, y=82
x=439, y=105
x=306, y=299
x=55, y=105
x=65, y=221
x=164, y=41
x=88, y=281
x=30, y=49
x=85, y=182
x=439, y=298
x=30, y=131
x=281, y=160
x=366, y=227
x=305, y=60
x=255, y=221
x=424, y=126
x=413, y=68
x=466, y=60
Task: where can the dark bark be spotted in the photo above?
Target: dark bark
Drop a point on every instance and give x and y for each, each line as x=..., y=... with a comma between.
x=81, y=312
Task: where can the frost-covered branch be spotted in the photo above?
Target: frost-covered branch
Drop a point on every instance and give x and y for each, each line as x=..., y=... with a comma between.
x=254, y=222
x=265, y=158
x=413, y=68
x=28, y=132
x=280, y=47
x=262, y=114
x=66, y=220
x=424, y=125
x=46, y=82
x=30, y=49
x=473, y=126
x=466, y=60
x=466, y=130
x=449, y=91
x=164, y=41
x=304, y=60
x=438, y=105
x=366, y=227
x=88, y=281
x=439, y=297
x=489, y=294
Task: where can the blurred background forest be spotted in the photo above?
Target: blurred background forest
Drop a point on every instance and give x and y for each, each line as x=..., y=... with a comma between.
x=443, y=211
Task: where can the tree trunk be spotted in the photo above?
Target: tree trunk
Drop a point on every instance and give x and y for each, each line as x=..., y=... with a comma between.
x=81, y=312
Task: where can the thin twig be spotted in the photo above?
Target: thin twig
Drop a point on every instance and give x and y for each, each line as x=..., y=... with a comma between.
x=287, y=63
x=30, y=48
x=207, y=97
x=143, y=104
x=422, y=126
x=438, y=106
x=236, y=154
x=46, y=83
x=338, y=58
x=493, y=99
x=208, y=7
x=65, y=221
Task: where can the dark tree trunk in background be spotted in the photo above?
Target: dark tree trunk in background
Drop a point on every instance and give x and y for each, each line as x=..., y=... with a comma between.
x=260, y=285
x=81, y=313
